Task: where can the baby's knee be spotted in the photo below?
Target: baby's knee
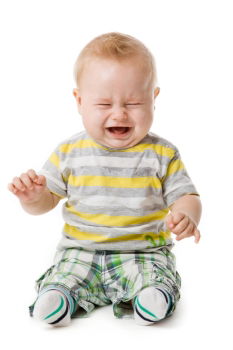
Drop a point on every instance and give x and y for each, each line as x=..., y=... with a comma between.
x=52, y=307
x=151, y=305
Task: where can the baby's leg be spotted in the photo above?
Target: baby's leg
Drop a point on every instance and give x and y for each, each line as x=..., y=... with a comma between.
x=71, y=282
x=151, y=305
x=53, y=307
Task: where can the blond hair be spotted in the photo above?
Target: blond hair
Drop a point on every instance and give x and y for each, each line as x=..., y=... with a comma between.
x=116, y=46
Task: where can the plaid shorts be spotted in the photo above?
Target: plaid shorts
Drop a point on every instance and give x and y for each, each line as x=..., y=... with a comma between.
x=90, y=278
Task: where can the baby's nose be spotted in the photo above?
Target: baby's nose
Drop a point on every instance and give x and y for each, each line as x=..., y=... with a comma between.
x=119, y=113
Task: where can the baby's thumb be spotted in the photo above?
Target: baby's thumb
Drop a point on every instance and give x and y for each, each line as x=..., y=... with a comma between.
x=169, y=221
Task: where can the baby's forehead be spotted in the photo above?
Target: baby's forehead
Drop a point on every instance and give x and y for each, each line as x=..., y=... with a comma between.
x=131, y=69
x=104, y=77
x=100, y=64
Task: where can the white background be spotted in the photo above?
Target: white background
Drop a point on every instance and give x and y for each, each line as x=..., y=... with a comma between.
x=192, y=43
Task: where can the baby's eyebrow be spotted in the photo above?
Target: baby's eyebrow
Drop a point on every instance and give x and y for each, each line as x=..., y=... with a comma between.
x=131, y=98
x=101, y=99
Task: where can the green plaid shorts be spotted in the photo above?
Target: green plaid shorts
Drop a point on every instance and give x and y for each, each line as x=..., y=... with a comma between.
x=106, y=277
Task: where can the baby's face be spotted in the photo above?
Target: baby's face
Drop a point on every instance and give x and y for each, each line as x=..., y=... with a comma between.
x=116, y=101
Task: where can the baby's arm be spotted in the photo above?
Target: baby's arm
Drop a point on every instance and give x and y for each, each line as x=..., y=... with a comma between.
x=33, y=193
x=184, y=217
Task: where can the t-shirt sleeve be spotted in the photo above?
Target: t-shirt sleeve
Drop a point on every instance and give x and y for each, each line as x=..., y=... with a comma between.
x=176, y=181
x=55, y=175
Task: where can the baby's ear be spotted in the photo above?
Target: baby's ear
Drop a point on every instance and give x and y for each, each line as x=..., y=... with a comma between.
x=77, y=96
x=156, y=92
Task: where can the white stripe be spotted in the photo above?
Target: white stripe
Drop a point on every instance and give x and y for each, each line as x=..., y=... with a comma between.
x=113, y=202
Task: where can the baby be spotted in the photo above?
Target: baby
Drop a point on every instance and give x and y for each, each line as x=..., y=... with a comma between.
x=127, y=189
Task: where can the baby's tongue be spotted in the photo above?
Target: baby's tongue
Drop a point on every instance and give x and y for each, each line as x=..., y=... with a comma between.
x=118, y=130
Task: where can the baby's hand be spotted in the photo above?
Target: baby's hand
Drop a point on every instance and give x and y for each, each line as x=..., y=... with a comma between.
x=183, y=226
x=28, y=187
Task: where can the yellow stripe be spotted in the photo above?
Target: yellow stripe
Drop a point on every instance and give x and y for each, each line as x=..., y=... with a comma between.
x=67, y=148
x=109, y=220
x=159, y=149
x=75, y=233
x=175, y=166
x=117, y=182
x=54, y=159
x=57, y=194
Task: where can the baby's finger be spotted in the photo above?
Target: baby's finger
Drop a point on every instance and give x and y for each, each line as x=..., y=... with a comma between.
x=181, y=226
x=189, y=231
x=18, y=184
x=32, y=174
x=197, y=235
x=177, y=217
x=12, y=188
x=180, y=237
x=26, y=181
x=41, y=180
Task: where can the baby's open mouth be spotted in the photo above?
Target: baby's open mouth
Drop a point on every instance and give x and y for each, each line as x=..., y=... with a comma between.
x=119, y=129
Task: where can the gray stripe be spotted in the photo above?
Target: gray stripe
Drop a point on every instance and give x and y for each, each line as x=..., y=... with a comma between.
x=115, y=211
x=112, y=191
x=124, y=245
x=116, y=172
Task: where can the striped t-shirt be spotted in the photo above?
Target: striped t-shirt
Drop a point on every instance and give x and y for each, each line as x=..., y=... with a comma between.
x=117, y=199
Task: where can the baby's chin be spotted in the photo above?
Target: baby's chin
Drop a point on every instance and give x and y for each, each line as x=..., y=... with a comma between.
x=118, y=144
x=117, y=140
